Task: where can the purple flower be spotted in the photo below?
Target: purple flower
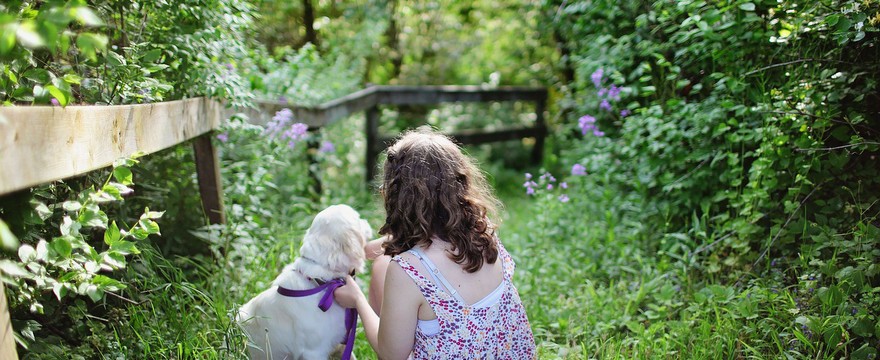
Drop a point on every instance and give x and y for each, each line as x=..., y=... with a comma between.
x=605, y=105
x=283, y=115
x=563, y=198
x=278, y=122
x=528, y=176
x=614, y=93
x=327, y=147
x=55, y=102
x=296, y=132
x=602, y=92
x=598, y=133
x=578, y=170
x=224, y=137
x=530, y=191
x=587, y=123
x=563, y=185
x=597, y=78
x=624, y=113
x=549, y=186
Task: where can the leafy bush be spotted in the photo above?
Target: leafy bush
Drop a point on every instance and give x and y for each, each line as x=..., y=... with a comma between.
x=108, y=52
x=745, y=132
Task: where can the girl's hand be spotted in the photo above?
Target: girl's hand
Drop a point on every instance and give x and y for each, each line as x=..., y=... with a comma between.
x=349, y=294
x=373, y=249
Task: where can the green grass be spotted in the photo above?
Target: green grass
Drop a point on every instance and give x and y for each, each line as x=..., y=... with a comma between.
x=592, y=281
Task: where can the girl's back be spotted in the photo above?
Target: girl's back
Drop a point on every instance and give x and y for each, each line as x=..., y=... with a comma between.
x=475, y=315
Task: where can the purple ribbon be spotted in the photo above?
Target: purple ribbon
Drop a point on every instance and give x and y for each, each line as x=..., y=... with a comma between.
x=324, y=305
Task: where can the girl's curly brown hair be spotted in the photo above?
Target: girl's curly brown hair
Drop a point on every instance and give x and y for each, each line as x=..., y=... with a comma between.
x=431, y=188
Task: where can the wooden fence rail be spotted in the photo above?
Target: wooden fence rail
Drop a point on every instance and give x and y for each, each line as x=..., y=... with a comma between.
x=40, y=144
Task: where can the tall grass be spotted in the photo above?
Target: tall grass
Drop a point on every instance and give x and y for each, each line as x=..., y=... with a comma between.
x=593, y=281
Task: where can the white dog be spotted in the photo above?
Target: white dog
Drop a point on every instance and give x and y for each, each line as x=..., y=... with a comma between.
x=283, y=327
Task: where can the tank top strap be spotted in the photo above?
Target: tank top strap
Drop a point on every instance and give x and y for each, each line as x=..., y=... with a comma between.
x=428, y=289
x=434, y=272
x=507, y=264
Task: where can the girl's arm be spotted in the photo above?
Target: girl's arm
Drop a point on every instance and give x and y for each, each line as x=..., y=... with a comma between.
x=393, y=337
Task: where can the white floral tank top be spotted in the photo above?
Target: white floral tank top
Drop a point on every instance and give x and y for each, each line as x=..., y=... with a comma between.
x=493, y=328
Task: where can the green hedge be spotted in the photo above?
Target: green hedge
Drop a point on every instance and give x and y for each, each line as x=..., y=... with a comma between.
x=745, y=133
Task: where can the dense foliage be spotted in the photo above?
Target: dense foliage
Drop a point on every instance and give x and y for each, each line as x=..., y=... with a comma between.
x=710, y=190
x=738, y=140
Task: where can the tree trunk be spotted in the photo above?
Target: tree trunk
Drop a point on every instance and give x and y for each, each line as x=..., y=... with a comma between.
x=309, y=22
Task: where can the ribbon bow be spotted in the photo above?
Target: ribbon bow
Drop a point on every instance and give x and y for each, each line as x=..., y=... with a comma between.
x=324, y=305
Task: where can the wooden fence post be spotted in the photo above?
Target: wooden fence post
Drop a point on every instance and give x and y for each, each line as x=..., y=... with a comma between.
x=208, y=171
x=372, y=129
x=7, y=338
x=538, y=149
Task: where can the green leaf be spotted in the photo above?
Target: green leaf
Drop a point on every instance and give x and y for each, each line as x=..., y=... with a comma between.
x=26, y=253
x=94, y=293
x=28, y=36
x=152, y=55
x=69, y=227
x=86, y=16
x=57, y=94
x=865, y=352
x=859, y=36
x=139, y=233
x=40, y=92
x=72, y=79
x=71, y=205
x=115, y=260
x=62, y=247
x=112, y=235
x=150, y=226
x=122, y=174
x=832, y=20
x=8, y=240
x=843, y=24
x=124, y=247
x=60, y=290
x=7, y=38
x=13, y=268
x=90, y=44
x=38, y=75
x=115, y=59
x=747, y=6
x=112, y=191
x=92, y=216
x=10, y=74
x=41, y=209
x=42, y=250
x=107, y=283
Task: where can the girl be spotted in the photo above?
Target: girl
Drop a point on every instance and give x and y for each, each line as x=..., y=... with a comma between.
x=448, y=290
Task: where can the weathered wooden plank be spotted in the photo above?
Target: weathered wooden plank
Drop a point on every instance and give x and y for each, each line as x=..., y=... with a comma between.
x=474, y=137
x=39, y=144
x=315, y=116
x=208, y=173
x=415, y=95
x=7, y=337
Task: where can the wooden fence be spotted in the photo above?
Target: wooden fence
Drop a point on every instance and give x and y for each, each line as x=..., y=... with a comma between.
x=40, y=144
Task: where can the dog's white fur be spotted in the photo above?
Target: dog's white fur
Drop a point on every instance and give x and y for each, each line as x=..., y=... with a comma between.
x=281, y=327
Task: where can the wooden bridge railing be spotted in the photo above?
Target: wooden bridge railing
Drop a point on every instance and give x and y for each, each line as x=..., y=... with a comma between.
x=40, y=144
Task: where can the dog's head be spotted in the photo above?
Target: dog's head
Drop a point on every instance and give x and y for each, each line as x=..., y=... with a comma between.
x=336, y=239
